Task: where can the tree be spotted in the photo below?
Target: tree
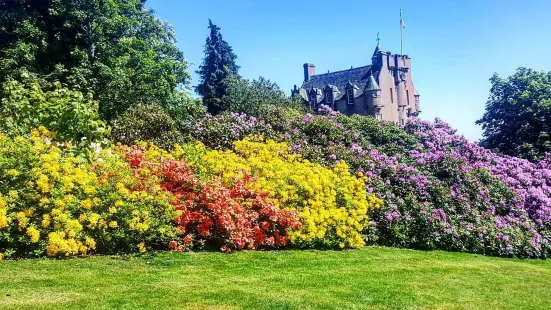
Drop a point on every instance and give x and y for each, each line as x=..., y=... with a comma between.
x=115, y=49
x=252, y=97
x=218, y=65
x=71, y=115
x=517, y=120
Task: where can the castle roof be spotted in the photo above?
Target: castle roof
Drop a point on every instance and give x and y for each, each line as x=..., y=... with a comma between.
x=356, y=76
x=378, y=49
x=372, y=84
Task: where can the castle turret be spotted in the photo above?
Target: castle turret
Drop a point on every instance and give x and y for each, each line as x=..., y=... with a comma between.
x=374, y=100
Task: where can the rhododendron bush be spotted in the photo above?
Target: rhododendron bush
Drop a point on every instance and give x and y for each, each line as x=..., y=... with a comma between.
x=440, y=191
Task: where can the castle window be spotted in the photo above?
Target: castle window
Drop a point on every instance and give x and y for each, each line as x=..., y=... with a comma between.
x=329, y=97
x=391, y=96
x=350, y=95
x=313, y=99
x=407, y=95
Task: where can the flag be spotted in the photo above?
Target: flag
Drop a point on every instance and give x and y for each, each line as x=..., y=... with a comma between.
x=402, y=24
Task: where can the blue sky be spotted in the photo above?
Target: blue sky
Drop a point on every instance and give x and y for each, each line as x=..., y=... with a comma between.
x=455, y=46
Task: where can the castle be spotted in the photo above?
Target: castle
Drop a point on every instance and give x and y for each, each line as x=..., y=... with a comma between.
x=383, y=89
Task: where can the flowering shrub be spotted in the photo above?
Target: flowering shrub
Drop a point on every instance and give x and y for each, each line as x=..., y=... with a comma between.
x=446, y=193
x=56, y=204
x=332, y=203
x=220, y=131
x=230, y=215
x=439, y=190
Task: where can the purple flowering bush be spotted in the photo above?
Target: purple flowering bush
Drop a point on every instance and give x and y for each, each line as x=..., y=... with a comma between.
x=440, y=190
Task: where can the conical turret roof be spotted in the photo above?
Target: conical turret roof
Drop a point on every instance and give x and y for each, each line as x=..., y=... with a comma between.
x=378, y=49
x=372, y=84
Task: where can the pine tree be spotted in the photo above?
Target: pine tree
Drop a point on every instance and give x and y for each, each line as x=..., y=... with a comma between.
x=218, y=65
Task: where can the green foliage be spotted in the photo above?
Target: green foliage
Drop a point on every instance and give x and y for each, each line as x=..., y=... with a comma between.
x=185, y=111
x=218, y=65
x=389, y=137
x=252, y=97
x=71, y=114
x=117, y=49
x=147, y=123
x=518, y=114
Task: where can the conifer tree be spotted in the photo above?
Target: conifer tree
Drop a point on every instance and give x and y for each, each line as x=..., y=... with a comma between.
x=218, y=65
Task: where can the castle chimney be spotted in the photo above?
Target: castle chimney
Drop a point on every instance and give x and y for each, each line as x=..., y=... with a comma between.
x=309, y=70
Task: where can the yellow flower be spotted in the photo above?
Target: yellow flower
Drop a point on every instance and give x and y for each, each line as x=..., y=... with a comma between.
x=4, y=219
x=91, y=243
x=13, y=173
x=21, y=219
x=86, y=204
x=141, y=247
x=93, y=219
x=1, y=256
x=46, y=221
x=33, y=234
x=59, y=203
x=13, y=194
x=113, y=224
x=43, y=183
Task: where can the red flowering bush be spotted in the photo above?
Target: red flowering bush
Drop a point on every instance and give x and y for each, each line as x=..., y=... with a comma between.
x=230, y=216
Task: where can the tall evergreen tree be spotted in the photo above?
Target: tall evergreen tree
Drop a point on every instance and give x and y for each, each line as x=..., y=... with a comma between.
x=218, y=65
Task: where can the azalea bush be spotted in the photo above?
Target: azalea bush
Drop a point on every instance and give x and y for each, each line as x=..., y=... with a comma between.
x=54, y=203
x=213, y=213
x=146, y=122
x=220, y=131
x=332, y=203
x=122, y=200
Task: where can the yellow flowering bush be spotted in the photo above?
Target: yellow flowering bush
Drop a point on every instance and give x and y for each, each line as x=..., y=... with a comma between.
x=54, y=203
x=332, y=203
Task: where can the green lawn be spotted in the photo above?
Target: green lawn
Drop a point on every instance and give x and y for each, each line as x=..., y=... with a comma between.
x=370, y=278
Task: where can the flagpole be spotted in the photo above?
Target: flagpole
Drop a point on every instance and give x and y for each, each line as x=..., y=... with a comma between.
x=401, y=34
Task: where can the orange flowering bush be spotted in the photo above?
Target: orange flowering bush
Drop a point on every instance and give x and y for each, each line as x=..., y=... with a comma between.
x=230, y=215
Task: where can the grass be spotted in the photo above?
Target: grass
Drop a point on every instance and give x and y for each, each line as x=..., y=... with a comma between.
x=370, y=278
